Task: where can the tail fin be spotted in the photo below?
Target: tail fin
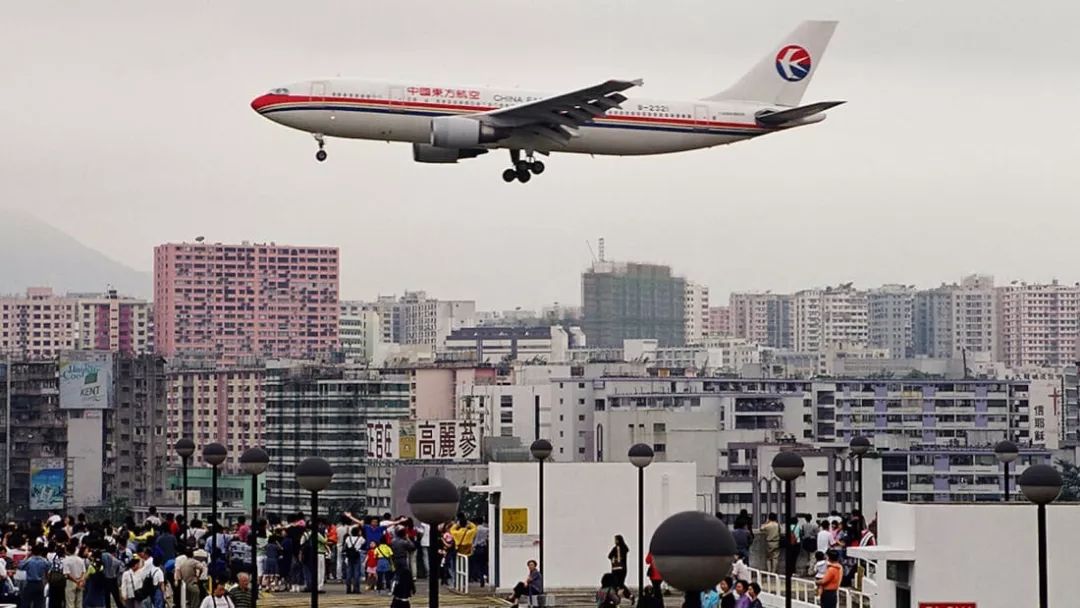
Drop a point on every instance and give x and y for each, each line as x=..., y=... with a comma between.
x=782, y=75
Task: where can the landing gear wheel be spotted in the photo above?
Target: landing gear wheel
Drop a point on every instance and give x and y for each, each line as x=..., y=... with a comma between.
x=509, y=175
x=523, y=175
x=320, y=155
x=536, y=167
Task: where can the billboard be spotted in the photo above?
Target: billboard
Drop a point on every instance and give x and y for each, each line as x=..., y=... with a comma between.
x=86, y=380
x=46, y=484
x=454, y=440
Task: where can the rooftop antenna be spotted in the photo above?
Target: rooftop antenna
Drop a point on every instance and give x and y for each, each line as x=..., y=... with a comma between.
x=600, y=246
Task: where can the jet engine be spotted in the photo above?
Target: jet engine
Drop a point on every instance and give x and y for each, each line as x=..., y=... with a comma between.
x=426, y=153
x=463, y=132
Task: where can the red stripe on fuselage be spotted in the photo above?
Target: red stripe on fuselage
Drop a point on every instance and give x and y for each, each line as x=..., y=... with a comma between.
x=269, y=100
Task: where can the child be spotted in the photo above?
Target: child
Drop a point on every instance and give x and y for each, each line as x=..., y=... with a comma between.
x=384, y=567
x=820, y=566
x=371, y=565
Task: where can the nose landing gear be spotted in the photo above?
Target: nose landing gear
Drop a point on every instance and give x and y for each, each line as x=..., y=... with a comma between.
x=321, y=154
x=522, y=170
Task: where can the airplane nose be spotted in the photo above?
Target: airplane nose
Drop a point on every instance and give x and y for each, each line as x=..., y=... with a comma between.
x=261, y=102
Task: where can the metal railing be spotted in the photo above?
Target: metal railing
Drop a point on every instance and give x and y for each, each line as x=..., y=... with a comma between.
x=803, y=591
x=460, y=583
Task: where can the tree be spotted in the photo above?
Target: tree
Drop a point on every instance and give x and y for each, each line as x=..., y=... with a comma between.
x=1070, y=476
x=474, y=505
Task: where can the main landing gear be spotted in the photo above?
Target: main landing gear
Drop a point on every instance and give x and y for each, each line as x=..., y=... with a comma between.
x=321, y=154
x=523, y=170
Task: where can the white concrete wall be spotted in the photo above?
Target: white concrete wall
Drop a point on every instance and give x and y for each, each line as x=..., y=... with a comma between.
x=986, y=554
x=586, y=505
x=85, y=451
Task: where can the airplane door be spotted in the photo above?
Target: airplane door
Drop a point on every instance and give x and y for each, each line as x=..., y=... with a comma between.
x=318, y=94
x=701, y=118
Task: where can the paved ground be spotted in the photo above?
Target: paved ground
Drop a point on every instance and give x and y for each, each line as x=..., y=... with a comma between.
x=335, y=597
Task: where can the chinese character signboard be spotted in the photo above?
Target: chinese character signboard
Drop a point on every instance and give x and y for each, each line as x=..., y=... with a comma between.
x=515, y=521
x=455, y=440
x=46, y=484
x=86, y=380
x=383, y=439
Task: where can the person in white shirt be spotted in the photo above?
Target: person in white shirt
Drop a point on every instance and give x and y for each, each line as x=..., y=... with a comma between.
x=218, y=599
x=824, y=538
x=739, y=570
x=129, y=583
x=424, y=531
x=74, y=568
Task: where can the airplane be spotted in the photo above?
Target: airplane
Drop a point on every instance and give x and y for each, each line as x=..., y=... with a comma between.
x=446, y=123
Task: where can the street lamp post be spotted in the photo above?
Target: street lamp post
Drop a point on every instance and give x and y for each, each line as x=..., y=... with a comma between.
x=859, y=447
x=254, y=461
x=1041, y=484
x=541, y=449
x=214, y=454
x=693, y=551
x=788, y=466
x=434, y=501
x=1006, y=452
x=185, y=448
x=641, y=456
x=314, y=475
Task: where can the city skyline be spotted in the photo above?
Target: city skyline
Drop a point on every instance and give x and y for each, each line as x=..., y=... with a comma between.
x=909, y=181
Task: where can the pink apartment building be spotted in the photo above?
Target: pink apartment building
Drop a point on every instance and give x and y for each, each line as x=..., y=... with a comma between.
x=277, y=301
x=41, y=324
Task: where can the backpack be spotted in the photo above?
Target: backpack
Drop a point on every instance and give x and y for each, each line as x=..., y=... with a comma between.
x=146, y=590
x=351, y=552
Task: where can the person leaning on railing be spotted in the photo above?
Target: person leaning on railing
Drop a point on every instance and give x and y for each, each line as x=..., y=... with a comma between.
x=829, y=584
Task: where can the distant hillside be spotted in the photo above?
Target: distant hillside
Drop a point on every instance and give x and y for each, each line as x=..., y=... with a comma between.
x=33, y=253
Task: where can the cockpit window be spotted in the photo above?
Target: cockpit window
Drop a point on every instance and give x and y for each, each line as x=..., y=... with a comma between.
x=281, y=91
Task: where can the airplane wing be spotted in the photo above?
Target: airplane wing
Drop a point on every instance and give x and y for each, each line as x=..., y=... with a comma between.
x=558, y=118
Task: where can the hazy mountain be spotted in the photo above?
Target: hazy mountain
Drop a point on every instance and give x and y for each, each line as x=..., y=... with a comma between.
x=35, y=254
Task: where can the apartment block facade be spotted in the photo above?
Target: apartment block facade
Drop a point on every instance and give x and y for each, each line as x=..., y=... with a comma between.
x=890, y=313
x=695, y=312
x=210, y=404
x=233, y=301
x=42, y=324
x=628, y=300
x=830, y=317
x=1038, y=324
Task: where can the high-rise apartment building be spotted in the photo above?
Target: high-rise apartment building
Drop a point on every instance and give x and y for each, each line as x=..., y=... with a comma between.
x=136, y=451
x=719, y=322
x=319, y=411
x=975, y=317
x=763, y=318
x=232, y=301
x=829, y=317
x=695, y=312
x=628, y=300
x=414, y=318
x=216, y=404
x=1038, y=324
x=932, y=332
x=890, y=311
x=41, y=324
x=359, y=331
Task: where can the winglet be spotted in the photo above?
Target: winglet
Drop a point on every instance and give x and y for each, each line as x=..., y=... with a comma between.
x=637, y=82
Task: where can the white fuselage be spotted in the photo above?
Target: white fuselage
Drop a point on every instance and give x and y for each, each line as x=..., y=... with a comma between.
x=361, y=109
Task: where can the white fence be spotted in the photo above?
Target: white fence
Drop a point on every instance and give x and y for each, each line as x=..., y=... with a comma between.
x=803, y=592
x=460, y=583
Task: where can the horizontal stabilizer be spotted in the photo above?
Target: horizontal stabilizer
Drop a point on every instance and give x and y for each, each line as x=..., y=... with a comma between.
x=769, y=117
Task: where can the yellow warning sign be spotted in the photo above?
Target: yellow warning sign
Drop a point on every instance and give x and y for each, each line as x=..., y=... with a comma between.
x=515, y=521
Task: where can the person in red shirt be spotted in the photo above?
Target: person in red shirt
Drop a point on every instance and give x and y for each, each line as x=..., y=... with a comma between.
x=654, y=575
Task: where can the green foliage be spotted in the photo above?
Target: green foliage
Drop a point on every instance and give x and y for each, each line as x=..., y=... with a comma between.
x=472, y=504
x=1070, y=475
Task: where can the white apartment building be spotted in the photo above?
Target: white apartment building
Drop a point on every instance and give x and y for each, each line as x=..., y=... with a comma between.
x=1038, y=324
x=494, y=345
x=975, y=317
x=360, y=331
x=41, y=324
x=416, y=319
x=763, y=318
x=695, y=312
x=830, y=316
x=890, y=311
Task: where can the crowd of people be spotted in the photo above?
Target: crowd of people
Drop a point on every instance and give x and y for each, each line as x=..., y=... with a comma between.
x=72, y=562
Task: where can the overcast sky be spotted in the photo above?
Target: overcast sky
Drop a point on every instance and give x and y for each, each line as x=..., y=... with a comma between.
x=127, y=124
